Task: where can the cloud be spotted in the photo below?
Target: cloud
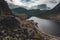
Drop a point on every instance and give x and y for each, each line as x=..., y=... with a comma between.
x=11, y=6
x=33, y=4
x=26, y=4
x=52, y=3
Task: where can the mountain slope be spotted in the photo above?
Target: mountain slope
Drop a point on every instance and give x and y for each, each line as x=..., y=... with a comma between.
x=53, y=14
x=4, y=9
x=33, y=12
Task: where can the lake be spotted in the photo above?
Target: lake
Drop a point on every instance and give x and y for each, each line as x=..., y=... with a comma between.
x=47, y=26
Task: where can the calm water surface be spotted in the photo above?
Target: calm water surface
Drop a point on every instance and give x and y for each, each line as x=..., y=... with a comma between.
x=47, y=26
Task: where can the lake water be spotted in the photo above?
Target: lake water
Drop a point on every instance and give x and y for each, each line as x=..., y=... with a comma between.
x=47, y=26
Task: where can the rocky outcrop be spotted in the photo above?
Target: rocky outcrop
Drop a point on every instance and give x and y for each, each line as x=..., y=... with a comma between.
x=4, y=9
x=22, y=30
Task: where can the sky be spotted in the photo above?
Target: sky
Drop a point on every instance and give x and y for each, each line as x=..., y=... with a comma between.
x=33, y=4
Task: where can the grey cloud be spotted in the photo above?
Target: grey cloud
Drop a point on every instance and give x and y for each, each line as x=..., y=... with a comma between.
x=11, y=6
x=44, y=6
x=25, y=0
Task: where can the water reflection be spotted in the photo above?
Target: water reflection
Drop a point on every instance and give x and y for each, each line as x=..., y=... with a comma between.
x=47, y=26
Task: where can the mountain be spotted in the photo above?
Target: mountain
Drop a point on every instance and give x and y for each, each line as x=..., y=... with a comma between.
x=43, y=7
x=4, y=9
x=53, y=14
x=19, y=10
x=56, y=9
x=33, y=12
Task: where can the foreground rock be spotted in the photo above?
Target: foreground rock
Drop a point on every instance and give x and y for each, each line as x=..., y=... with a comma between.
x=16, y=29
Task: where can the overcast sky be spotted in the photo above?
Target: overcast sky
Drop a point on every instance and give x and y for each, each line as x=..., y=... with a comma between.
x=32, y=4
